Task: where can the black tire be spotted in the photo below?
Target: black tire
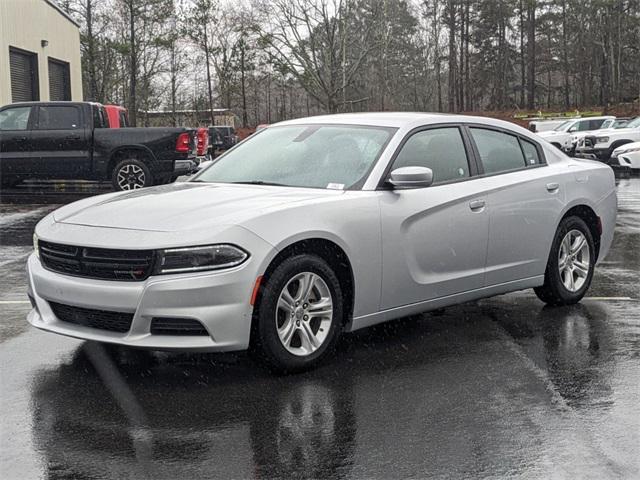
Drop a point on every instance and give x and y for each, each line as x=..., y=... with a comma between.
x=266, y=344
x=133, y=164
x=553, y=291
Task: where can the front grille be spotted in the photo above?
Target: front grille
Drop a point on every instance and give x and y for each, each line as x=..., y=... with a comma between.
x=87, y=317
x=177, y=326
x=100, y=263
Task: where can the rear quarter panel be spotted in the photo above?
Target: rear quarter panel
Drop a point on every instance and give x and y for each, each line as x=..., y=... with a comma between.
x=592, y=183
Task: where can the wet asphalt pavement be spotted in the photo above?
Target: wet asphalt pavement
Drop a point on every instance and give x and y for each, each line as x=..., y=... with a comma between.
x=501, y=388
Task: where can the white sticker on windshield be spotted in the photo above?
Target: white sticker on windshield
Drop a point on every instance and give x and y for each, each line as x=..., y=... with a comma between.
x=336, y=186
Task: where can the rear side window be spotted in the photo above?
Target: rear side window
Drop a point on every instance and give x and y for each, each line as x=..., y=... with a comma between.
x=499, y=152
x=123, y=120
x=15, y=118
x=100, y=119
x=531, y=155
x=440, y=149
x=58, y=117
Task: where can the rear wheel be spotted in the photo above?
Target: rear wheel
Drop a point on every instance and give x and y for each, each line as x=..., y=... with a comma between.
x=570, y=265
x=300, y=314
x=131, y=174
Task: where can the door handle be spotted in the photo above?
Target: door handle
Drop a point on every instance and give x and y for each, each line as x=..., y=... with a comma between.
x=553, y=187
x=476, y=205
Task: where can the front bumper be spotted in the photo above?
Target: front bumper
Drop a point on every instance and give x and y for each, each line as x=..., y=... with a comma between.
x=185, y=167
x=601, y=154
x=219, y=300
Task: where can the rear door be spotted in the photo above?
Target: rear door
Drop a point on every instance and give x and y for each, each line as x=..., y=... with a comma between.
x=525, y=197
x=15, y=140
x=61, y=142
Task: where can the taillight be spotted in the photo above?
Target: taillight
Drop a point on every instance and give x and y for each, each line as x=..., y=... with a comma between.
x=203, y=141
x=183, y=143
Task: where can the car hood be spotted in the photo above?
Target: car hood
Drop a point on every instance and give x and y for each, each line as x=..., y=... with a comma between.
x=184, y=206
x=551, y=133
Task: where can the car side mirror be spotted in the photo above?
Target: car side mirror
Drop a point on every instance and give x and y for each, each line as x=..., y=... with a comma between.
x=573, y=129
x=411, y=177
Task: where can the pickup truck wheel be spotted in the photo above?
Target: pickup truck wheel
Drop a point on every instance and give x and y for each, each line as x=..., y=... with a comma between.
x=131, y=174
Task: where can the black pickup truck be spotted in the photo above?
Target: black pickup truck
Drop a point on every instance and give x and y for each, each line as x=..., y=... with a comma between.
x=72, y=141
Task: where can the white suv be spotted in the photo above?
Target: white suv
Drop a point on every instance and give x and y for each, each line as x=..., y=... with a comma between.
x=562, y=135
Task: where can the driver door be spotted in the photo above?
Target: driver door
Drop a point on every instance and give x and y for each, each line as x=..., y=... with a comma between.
x=434, y=239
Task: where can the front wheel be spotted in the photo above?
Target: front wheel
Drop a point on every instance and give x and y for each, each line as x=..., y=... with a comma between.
x=300, y=314
x=570, y=265
x=131, y=174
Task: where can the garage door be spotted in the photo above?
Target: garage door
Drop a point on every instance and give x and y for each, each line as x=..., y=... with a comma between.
x=59, y=80
x=24, y=75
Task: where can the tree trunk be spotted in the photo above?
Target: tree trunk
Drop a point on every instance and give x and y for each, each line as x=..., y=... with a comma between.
x=565, y=55
x=243, y=91
x=133, y=107
x=523, y=63
x=206, y=59
x=451, y=23
x=531, y=53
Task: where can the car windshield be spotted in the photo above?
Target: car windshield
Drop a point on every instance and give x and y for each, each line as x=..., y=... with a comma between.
x=607, y=123
x=317, y=156
x=635, y=123
x=564, y=126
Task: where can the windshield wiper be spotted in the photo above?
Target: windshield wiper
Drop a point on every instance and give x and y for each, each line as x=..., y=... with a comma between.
x=261, y=182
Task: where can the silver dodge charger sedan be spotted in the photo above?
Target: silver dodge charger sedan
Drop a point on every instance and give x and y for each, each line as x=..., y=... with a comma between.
x=323, y=225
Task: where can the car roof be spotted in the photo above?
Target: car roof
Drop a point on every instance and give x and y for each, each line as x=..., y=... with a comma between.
x=402, y=120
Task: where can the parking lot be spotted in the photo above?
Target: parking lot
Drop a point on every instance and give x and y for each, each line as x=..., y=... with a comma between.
x=500, y=388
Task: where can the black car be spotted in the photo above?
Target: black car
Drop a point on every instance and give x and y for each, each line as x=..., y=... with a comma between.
x=72, y=141
x=222, y=137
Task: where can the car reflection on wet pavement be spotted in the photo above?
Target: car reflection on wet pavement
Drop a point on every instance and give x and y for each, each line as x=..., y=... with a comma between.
x=500, y=388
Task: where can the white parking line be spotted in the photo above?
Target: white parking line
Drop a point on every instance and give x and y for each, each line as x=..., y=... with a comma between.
x=617, y=299
x=7, y=302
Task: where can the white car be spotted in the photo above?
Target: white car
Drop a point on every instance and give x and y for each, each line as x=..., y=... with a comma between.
x=316, y=226
x=563, y=135
x=628, y=155
x=537, y=126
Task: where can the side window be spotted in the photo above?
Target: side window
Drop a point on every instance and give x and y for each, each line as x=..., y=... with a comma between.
x=499, y=151
x=58, y=117
x=530, y=153
x=440, y=149
x=595, y=124
x=99, y=118
x=123, y=120
x=15, y=118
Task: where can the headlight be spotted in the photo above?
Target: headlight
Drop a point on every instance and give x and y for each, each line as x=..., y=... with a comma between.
x=602, y=139
x=195, y=259
x=619, y=151
x=36, y=250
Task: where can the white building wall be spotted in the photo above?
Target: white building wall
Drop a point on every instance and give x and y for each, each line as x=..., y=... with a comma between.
x=24, y=24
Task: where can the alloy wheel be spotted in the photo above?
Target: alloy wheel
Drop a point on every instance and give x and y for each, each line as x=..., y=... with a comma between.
x=304, y=314
x=131, y=177
x=574, y=260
